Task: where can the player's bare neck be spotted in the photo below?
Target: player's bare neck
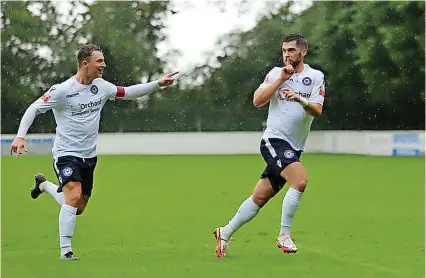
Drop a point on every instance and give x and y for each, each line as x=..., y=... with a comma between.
x=299, y=68
x=83, y=79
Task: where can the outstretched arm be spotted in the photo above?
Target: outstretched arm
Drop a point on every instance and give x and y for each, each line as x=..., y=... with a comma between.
x=136, y=91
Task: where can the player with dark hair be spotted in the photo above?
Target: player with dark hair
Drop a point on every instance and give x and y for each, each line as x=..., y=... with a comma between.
x=295, y=93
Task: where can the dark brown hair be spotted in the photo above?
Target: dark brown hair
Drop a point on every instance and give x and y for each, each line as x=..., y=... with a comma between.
x=300, y=39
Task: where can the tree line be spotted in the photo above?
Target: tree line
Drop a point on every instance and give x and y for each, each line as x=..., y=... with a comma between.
x=372, y=55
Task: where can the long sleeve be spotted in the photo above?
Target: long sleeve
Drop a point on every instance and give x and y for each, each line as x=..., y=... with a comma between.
x=27, y=121
x=136, y=91
x=49, y=100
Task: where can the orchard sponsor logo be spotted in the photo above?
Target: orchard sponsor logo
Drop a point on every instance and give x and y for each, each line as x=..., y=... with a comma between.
x=281, y=95
x=87, y=108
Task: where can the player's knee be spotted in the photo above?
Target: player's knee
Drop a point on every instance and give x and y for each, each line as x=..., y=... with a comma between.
x=260, y=199
x=74, y=197
x=301, y=184
x=263, y=192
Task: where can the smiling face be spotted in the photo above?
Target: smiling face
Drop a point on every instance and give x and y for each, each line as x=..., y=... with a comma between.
x=91, y=61
x=95, y=65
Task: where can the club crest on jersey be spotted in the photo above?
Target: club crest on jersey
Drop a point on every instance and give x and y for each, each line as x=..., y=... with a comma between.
x=307, y=81
x=94, y=89
x=67, y=171
x=288, y=154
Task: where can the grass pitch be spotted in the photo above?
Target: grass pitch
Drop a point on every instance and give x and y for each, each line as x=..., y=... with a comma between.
x=153, y=216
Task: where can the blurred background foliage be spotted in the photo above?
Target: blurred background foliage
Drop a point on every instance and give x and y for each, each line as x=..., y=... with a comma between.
x=372, y=54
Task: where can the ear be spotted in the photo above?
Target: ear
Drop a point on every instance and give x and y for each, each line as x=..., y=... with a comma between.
x=304, y=52
x=84, y=63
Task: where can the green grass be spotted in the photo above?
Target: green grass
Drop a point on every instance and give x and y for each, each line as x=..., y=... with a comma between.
x=153, y=216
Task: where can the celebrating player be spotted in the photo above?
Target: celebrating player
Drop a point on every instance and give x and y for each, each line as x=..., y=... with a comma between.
x=76, y=104
x=295, y=94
